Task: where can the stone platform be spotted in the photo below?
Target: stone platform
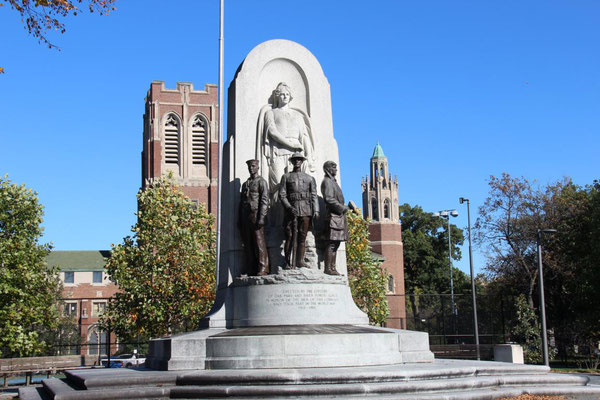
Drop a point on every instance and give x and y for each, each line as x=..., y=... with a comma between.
x=288, y=346
x=442, y=379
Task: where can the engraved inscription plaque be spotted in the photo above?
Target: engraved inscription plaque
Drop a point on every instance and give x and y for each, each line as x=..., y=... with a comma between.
x=295, y=304
x=303, y=298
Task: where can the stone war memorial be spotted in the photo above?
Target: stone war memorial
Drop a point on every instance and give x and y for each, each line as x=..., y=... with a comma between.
x=284, y=323
x=297, y=316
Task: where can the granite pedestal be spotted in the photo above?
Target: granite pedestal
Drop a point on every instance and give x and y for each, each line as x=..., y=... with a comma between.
x=295, y=319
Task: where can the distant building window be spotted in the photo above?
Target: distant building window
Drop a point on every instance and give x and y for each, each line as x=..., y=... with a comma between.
x=97, y=341
x=70, y=309
x=97, y=277
x=98, y=308
x=69, y=277
x=391, y=284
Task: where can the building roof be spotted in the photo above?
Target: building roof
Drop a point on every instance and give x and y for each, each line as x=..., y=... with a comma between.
x=378, y=152
x=81, y=260
x=377, y=257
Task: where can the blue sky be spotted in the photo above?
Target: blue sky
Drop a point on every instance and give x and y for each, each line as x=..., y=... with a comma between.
x=454, y=92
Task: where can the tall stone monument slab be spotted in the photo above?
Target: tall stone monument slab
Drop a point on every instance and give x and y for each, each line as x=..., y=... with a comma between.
x=252, y=113
x=251, y=100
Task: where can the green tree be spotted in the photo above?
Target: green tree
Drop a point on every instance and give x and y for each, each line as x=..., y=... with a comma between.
x=166, y=271
x=507, y=229
x=526, y=331
x=29, y=293
x=368, y=281
x=426, y=264
x=65, y=335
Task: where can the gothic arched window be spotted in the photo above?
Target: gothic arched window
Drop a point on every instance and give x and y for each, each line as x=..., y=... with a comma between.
x=172, y=139
x=386, y=209
x=374, y=208
x=97, y=341
x=199, y=136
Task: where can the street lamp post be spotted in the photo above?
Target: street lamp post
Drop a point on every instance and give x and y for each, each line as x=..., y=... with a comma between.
x=475, y=324
x=446, y=214
x=542, y=301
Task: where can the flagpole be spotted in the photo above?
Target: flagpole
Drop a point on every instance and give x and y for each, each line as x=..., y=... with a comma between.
x=220, y=133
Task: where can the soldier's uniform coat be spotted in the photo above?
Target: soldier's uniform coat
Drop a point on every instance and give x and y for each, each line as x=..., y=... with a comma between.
x=336, y=223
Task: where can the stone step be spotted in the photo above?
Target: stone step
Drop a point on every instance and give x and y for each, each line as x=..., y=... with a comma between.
x=442, y=379
x=58, y=388
x=551, y=382
x=32, y=393
x=120, y=377
x=440, y=369
x=581, y=392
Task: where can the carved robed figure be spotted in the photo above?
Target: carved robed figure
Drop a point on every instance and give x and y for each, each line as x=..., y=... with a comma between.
x=283, y=131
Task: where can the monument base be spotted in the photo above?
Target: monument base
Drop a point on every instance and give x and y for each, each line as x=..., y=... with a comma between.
x=292, y=297
x=288, y=346
x=441, y=380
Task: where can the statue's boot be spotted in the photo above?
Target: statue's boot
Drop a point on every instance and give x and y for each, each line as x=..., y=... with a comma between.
x=331, y=271
x=300, y=256
x=330, y=257
x=264, y=270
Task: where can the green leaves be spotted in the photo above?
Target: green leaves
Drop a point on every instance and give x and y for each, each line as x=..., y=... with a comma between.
x=426, y=263
x=507, y=229
x=166, y=270
x=368, y=281
x=28, y=291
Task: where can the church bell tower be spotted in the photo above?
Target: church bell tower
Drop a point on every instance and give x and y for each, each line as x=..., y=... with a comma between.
x=380, y=205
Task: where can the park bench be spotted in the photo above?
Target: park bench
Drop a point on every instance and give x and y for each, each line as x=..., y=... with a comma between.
x=29, y=366
x=463, y=351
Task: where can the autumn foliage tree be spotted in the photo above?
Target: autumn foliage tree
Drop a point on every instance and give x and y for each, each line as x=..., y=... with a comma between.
x=166, y=270
x=41, y=16
x=507, y=230
x=29, y=292
x=368, y=281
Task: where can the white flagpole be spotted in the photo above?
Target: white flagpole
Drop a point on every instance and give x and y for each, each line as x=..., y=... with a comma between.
x=220, y=133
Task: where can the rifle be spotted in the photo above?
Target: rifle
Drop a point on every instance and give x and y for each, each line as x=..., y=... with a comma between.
x=294, y=241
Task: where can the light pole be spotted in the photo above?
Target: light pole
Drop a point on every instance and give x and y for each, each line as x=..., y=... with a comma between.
x=446, y=214
x=542, y=301
x=462, y=200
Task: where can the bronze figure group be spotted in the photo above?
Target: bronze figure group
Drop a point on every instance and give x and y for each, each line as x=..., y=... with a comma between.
x=298, y=195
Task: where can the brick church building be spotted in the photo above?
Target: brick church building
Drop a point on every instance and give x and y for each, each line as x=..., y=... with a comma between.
x=181, y=136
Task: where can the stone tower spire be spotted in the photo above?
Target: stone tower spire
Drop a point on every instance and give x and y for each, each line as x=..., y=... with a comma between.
x=380, y=192
x=380, y=204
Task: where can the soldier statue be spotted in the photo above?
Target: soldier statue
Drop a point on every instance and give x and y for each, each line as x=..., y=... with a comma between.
x=298, y=194
x=253, y=210
x=336, y=224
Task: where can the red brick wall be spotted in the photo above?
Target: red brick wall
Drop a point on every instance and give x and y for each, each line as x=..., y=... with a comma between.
x=386, y=239
x=172, y=100
x=85, y=294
